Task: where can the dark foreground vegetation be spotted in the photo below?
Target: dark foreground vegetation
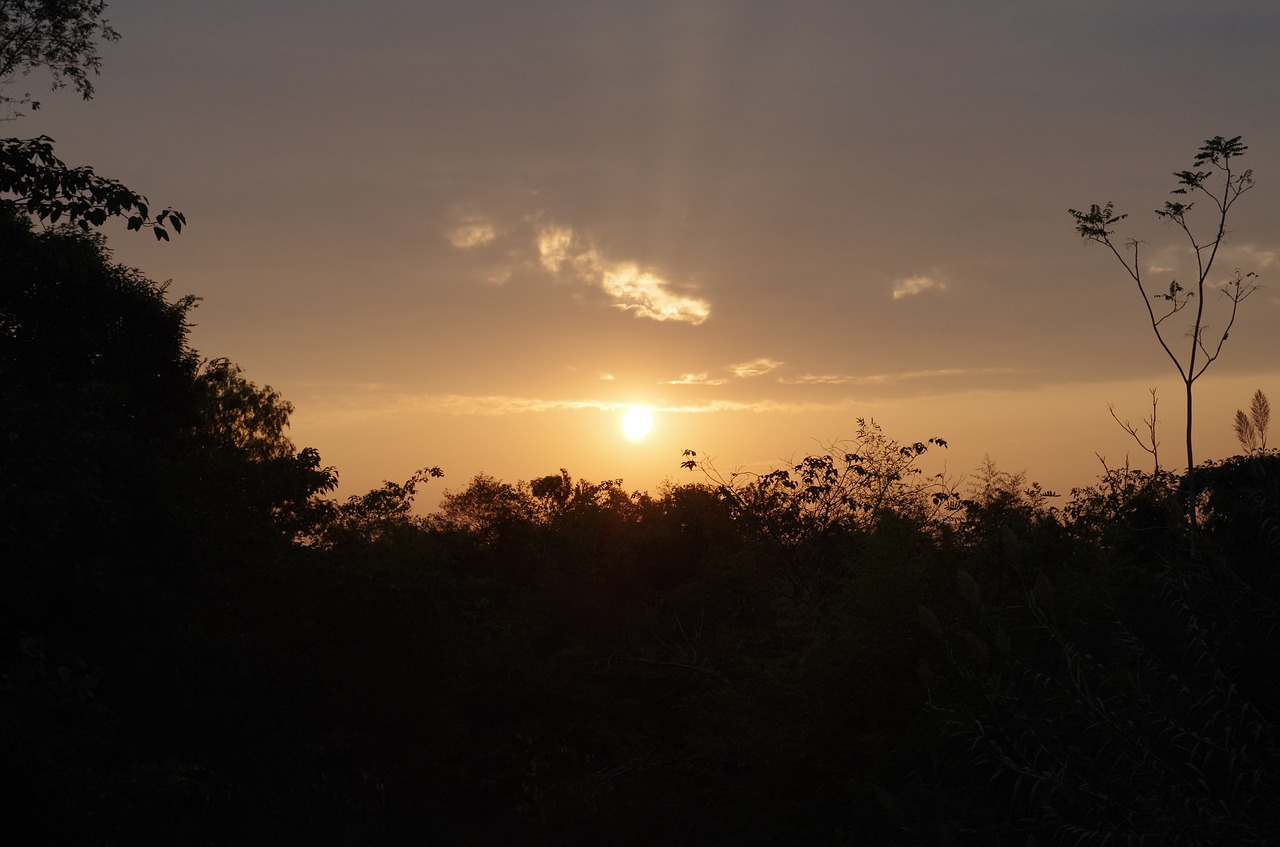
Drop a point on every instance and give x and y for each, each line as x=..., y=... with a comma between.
x=198, y=647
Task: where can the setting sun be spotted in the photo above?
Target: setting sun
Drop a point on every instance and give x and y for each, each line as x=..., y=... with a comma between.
x=637, y=422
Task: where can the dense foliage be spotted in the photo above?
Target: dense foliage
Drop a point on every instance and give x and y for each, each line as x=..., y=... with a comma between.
x=197, y=646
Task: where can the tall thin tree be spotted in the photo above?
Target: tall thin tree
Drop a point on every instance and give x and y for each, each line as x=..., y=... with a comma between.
x=1215, y=176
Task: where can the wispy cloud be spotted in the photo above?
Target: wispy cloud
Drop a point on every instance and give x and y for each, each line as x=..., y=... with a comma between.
x=555, y=248
x=742, y=370
x=497, y=404
x=357, y=403
x=363, y=406
x=1251, y=257
x=818, y=379
x=458, y=404
x=890, y=379
x=913, y=285
x=472, y=232
x=758, y=367
x=696, y=379
x=1178, y=259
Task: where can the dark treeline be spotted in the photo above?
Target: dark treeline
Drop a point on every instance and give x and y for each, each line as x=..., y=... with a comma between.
x=198, y=645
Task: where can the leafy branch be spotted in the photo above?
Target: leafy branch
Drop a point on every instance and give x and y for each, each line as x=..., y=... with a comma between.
x=58, y=35
x=35, y=181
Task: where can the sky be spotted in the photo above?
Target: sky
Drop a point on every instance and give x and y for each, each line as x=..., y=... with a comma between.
x=472, y=234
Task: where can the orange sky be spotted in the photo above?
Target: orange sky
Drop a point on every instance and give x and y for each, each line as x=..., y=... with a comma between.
x=470, y=234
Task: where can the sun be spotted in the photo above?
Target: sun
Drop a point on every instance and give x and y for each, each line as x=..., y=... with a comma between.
x=637, y=422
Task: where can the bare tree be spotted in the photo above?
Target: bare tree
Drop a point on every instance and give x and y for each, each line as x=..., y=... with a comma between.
x=1220, y=182
x=1147, y=442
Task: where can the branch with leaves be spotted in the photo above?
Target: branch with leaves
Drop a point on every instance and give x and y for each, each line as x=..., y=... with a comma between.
x=35, y=181
x=58, y=35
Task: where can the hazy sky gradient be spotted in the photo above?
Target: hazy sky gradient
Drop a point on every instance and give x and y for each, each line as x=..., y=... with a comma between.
x=468, y=234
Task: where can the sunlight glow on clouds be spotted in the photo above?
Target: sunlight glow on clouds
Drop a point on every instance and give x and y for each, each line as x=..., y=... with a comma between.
x=366, y=402
x=471, y=233
x=570, y=256
x=818, y=379
x=458, y=404
x=696, y=379
x=913, y=285
x=647, y=295
x=553, y=247
x=742, y=370
x=632, y=288
x=759, y=367
x=360, y=408
x=889, y=379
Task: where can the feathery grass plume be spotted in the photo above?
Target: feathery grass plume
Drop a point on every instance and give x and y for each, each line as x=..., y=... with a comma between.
x=1251, y=429
x=1245, y=433
x=1260, y=412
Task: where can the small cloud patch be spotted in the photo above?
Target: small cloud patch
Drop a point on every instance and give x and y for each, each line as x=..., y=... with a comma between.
x=471, y=233
x=913, y=285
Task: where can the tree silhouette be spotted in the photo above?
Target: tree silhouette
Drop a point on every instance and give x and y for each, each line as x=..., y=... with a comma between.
x=1215, y=177
x=35, y=181
x=60, y=37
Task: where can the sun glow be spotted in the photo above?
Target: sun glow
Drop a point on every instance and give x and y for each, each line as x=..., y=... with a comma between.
x=637, y=422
